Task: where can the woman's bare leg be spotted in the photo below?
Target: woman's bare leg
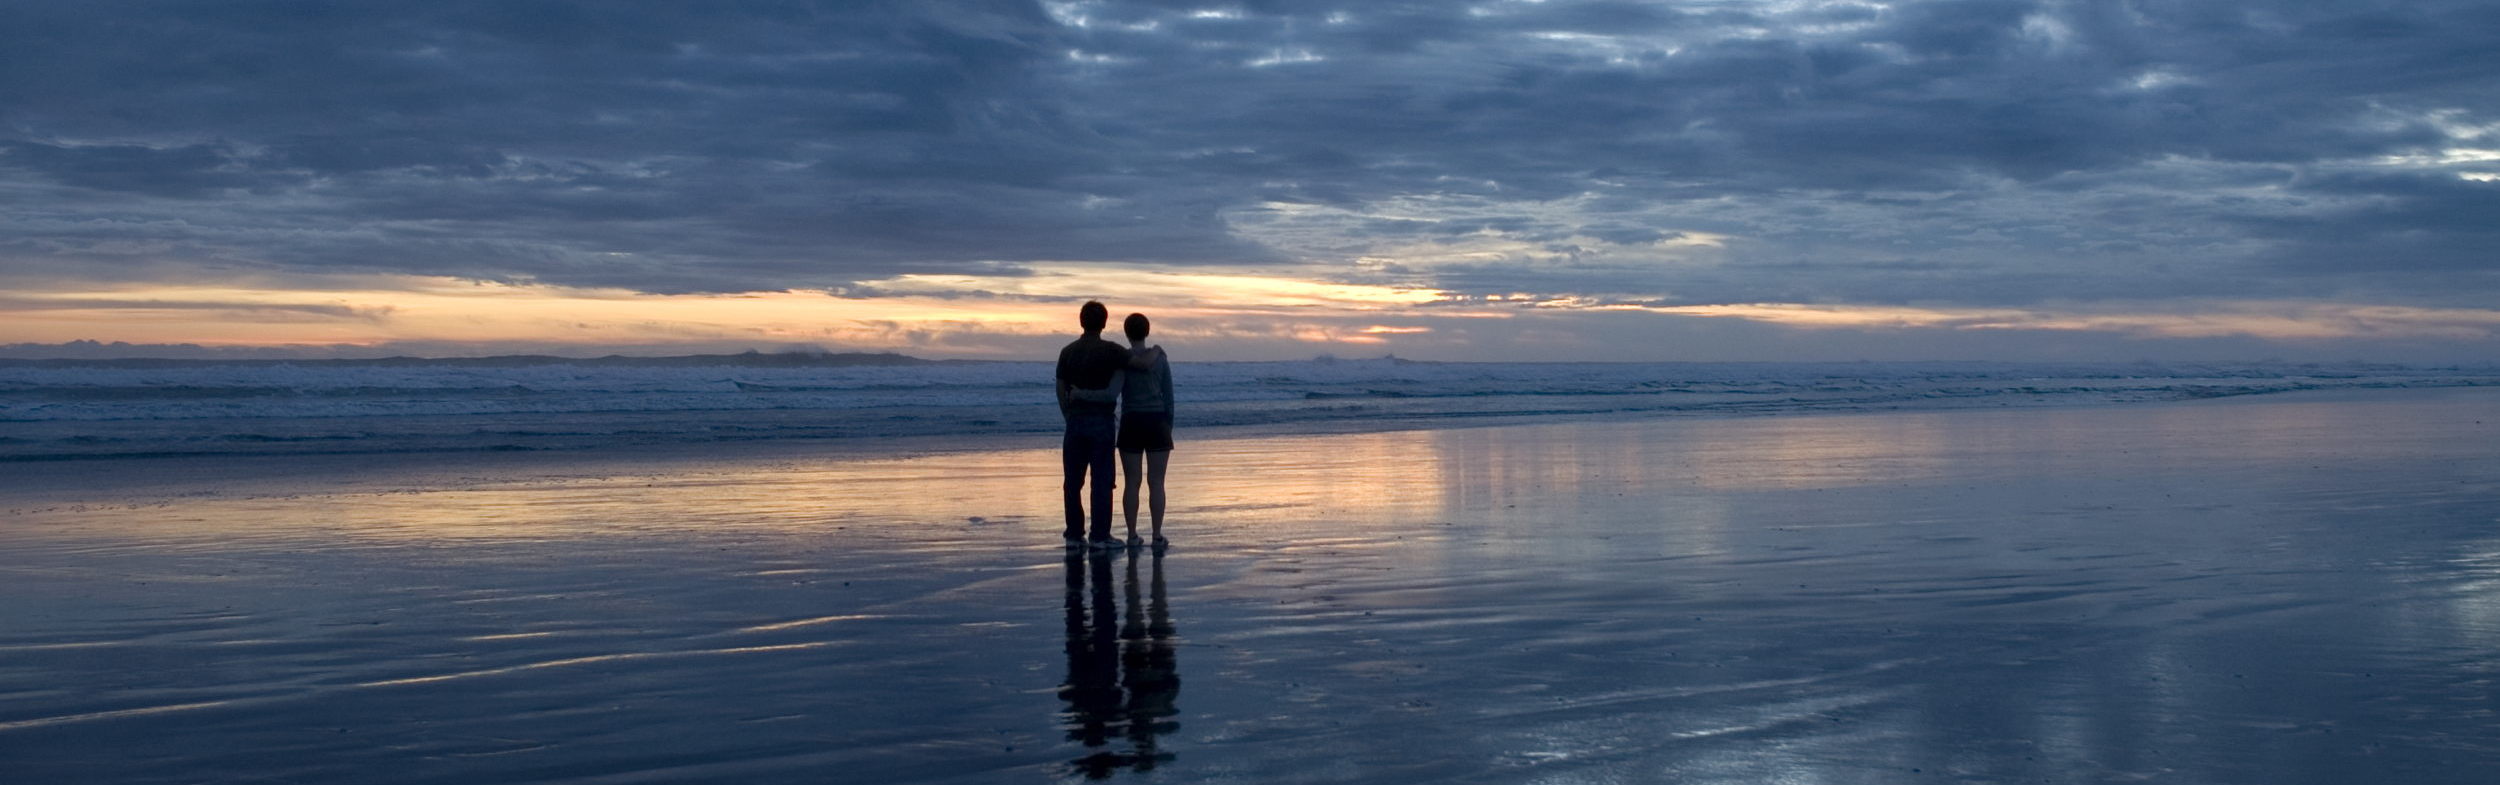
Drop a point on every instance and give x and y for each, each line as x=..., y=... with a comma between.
x=1132, y=466
x=1156, y=462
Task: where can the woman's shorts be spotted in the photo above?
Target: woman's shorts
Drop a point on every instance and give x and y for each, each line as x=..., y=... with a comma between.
x=1145, y=431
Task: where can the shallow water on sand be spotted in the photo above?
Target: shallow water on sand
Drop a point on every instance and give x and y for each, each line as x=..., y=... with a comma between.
x=2279, y=591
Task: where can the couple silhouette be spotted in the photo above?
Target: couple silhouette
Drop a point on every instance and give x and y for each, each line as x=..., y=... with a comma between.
x=1117, y=400
x=1123, y=679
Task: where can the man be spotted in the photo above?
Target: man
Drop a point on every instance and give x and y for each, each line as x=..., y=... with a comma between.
x=1088, y=368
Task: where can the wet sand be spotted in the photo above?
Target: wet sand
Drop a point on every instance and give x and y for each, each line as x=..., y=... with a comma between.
x=2285, y=589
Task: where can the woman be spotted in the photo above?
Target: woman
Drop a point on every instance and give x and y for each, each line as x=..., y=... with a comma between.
x=1145, y=426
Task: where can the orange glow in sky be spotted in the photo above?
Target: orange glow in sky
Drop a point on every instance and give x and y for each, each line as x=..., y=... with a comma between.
x=933, y=315
x=909, y=312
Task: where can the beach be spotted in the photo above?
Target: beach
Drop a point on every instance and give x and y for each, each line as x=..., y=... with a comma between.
x=2292, y=588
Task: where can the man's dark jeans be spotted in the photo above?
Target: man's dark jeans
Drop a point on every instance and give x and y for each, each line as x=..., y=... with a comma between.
x=1091, y=443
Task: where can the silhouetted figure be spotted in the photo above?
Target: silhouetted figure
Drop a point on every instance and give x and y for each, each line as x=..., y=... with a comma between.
x=1092, y=689
x=1123, y=676
x=1149, y=667
x=1145, y=425
x=1087, y=369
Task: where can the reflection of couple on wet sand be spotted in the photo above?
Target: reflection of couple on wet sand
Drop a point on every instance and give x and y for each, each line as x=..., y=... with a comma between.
x=1123, y=677
x=1116, y=400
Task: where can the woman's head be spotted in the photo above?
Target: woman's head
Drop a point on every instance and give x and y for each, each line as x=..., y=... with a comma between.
x=1136, y=327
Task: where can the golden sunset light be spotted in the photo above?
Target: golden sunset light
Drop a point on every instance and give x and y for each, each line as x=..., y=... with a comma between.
x=930, y=312
x=908, y=312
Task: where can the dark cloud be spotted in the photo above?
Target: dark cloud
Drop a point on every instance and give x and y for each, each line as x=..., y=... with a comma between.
x=1974, y=151
x=2395, y=232
x=186, y=171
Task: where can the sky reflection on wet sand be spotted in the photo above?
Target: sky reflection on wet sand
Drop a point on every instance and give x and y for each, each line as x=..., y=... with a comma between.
x=2284, y=590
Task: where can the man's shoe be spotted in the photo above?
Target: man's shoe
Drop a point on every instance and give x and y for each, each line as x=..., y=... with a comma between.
x=1074, y=542
x=1106, y=544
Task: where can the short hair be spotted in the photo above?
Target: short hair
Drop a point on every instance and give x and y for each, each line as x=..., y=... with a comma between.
x=1093, y=316
x=1136, y=326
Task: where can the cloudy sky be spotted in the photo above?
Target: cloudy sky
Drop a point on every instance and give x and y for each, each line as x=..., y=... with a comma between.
x=1504, y=179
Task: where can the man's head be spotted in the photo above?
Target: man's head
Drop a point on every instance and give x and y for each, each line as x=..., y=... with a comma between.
x=1093, y=316
x=1136, y=327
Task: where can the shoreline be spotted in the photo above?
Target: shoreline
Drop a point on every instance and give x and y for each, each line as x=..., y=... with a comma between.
x=157, y=478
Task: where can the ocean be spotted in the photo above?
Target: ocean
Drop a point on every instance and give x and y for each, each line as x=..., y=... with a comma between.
x=64, y=409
